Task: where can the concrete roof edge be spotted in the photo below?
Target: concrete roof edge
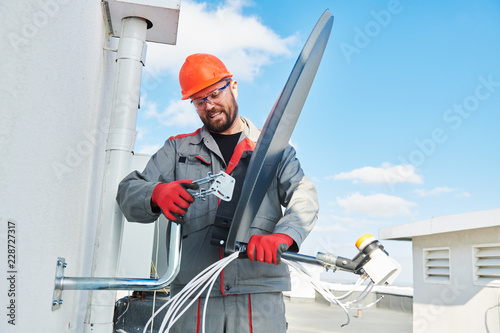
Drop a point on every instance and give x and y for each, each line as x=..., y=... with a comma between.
x=436, y=225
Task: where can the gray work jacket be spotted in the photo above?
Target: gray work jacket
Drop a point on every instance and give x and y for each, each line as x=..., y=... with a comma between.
x=192, y=156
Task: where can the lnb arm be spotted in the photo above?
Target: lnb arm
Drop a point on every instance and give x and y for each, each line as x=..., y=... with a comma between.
x=371, y=259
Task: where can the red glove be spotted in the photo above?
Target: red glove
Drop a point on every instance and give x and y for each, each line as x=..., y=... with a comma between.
x=268, y=248
x=172, y=198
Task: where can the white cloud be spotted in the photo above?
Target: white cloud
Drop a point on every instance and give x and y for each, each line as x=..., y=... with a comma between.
x=147, y=149
x=385, y=174
x=243, y=43
x=332, y=222
x=343, y=219
x=141, y=131
x=376, y=205
x=331, y=227
x=442, y=190
x=463, y=194
x=295, y=145
x=178, y=113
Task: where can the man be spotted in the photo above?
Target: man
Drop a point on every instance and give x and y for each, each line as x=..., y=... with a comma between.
x=249, y=292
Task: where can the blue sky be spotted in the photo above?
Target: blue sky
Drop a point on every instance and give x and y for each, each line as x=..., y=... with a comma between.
x=400, y=125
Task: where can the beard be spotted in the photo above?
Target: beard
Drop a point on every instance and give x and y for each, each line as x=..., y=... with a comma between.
x=229, y=116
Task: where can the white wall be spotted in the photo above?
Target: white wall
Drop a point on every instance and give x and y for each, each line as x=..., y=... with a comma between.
x=458, y=306
x=55, y=91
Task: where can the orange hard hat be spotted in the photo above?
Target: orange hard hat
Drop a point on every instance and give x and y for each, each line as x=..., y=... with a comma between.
x=199, y=71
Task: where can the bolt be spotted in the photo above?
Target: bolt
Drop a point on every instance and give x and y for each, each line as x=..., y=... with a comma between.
x=54, y=302
x=344, y=262
x=59, y=263
x=60, y=302
x=221, y=242
x=65, y=265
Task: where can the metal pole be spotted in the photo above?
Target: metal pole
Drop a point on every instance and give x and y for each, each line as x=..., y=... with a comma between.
x=102, y=283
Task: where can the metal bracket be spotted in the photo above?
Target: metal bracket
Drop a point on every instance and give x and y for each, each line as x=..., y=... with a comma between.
x=56, y=296
x=222, y=186
x=62, y=282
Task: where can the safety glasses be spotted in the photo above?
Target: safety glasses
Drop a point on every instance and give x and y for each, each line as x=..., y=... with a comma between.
x=214, y=97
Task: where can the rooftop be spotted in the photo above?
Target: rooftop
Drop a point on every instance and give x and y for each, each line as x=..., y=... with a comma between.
x=436, y=225
x=316, y=317
x=304, y=315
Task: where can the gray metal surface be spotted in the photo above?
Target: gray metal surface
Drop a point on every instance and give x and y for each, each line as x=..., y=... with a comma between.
x=277, y=131
x=96, y=283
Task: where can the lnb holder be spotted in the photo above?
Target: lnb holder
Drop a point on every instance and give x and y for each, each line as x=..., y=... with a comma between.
x=371, y=259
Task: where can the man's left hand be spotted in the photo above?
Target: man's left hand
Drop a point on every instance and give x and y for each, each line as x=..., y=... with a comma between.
x=268, y=248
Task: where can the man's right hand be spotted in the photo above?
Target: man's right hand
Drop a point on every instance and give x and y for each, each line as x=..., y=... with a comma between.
x=172, y=198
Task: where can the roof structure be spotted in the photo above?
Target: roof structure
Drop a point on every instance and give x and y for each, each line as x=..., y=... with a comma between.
x=442, y=224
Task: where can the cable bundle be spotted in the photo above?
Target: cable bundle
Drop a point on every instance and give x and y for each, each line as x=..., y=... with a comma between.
x=207, y=277
x=327, y=294
x=203, y=280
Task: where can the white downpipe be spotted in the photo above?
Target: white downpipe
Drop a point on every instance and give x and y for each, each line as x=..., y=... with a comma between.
x=121, y=140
